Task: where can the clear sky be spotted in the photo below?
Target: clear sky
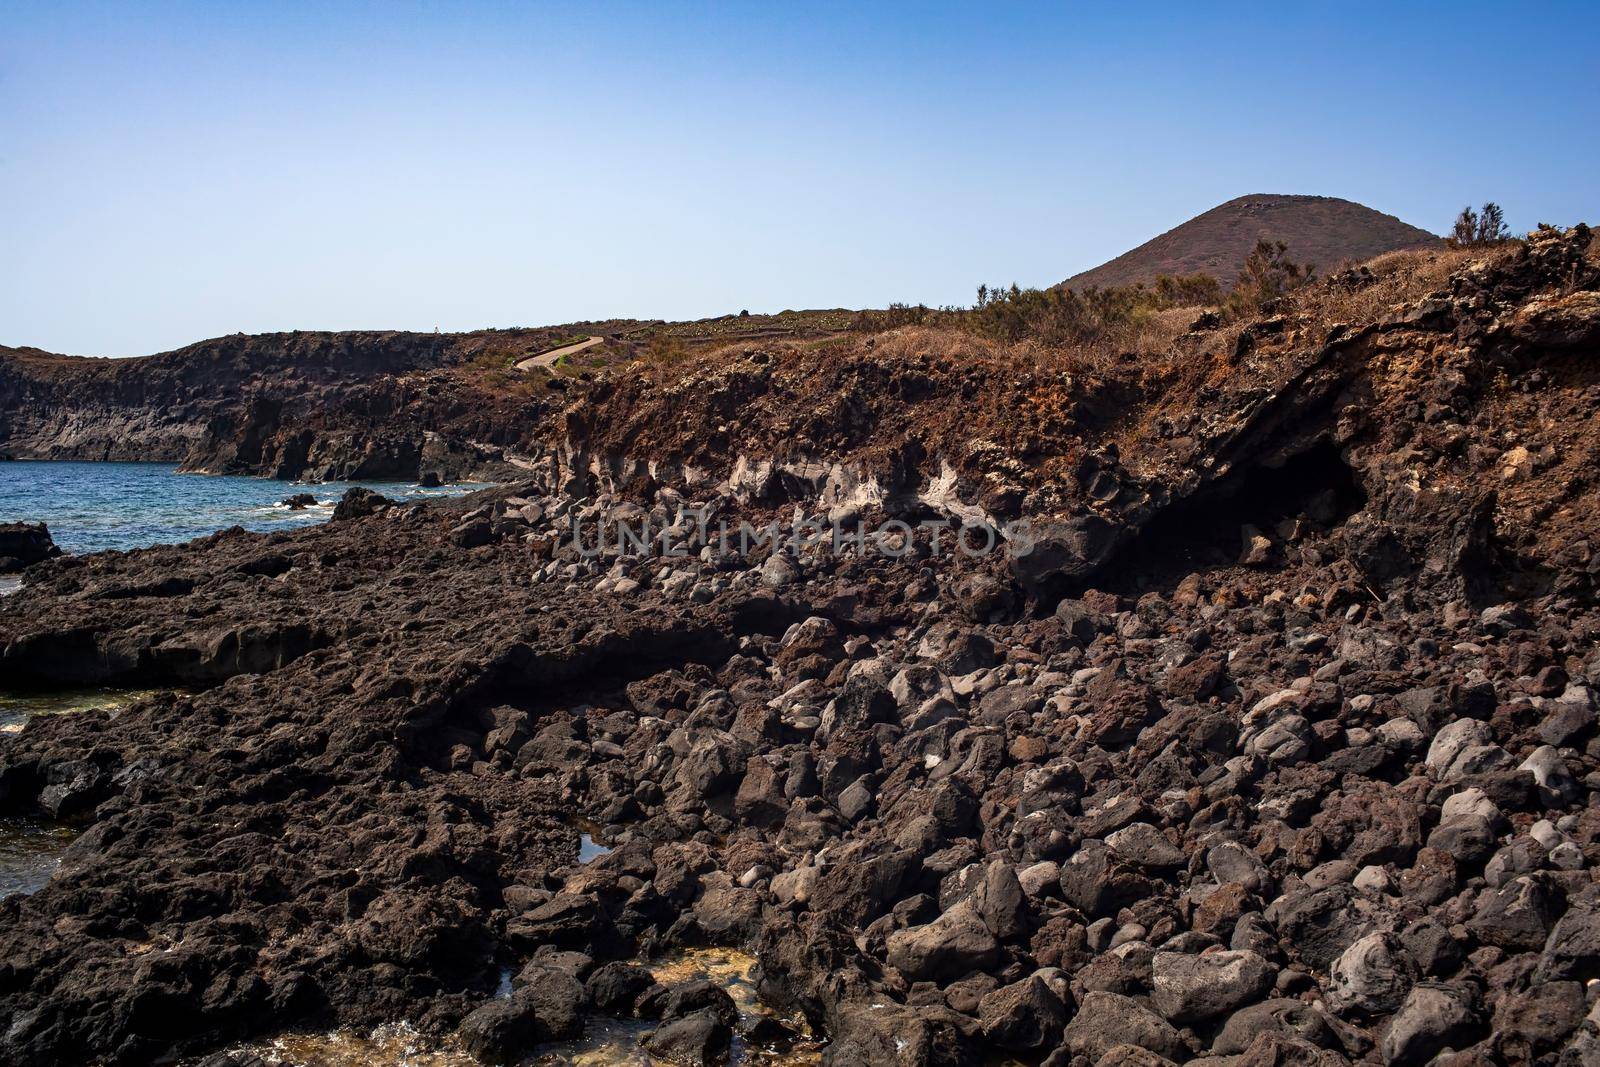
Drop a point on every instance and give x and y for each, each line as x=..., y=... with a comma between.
x=171, y=172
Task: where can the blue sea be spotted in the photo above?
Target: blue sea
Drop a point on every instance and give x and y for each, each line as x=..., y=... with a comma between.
x=95, y=506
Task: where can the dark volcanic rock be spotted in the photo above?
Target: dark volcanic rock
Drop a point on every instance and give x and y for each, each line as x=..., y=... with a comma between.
x=359, y=502
x=1337, y=804
x=693, y=1040
x=505, y=1031
x=1022, y=1016
x=1433, y=1018
x=1192, y=988
x=954, y=944
x=1106, y=1020
x=24, y=544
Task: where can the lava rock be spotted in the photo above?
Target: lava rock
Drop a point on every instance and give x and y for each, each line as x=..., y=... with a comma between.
x=1433, y=1018
x=1195, y=988
x=955, y=943
x=1106, y=1020
x=1143, y=844
x=693, y=1040
x=1291, y=1018
x=615, y=987
x=24, y=544
x=358, y=503
x=505, y=1030
x=1519, y=915
x=1373, y=976
x=1023, y=1016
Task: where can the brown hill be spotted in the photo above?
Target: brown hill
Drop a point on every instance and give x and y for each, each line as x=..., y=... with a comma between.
x=1321, y=230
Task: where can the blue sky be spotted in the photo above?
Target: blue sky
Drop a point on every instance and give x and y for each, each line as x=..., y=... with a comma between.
x=178, y=171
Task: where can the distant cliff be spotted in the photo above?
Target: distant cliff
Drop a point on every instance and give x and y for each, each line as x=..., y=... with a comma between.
x=315, y=406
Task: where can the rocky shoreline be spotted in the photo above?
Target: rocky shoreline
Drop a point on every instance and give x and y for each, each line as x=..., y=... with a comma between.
x=1280, y=747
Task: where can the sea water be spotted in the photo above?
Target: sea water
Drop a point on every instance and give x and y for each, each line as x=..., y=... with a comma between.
x=90, y=507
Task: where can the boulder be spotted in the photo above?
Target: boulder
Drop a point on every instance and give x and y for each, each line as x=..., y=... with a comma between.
x=1573, y=949
x=878, y=1034
x=1001, y=903
x=1519, y=915
x=1106, y=1020
x=1094, y=882
x=1195, y=988
x=1322, y=923
x=1433, y=1017
x=1373, y=976
x=1229, y=861
x=505, y=1030
x=1280, y=1016
x=1023, y=1016
x=24, y=544
x=1539, y=1020
x=1143, y=844
x=358, y=503
x=556, y=997
x=614, y=988
x=954, y=944
x=1557, y=787
x=693, y=1040
x=699, y=995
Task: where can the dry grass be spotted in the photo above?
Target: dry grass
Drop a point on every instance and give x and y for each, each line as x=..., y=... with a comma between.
x=1395, y=276
x=732, y=328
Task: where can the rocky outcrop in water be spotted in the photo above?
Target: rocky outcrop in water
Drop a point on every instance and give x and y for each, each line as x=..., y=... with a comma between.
x=1288, y=754
x=23, y=544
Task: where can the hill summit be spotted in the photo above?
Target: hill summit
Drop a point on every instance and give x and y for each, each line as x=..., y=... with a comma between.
x=1321, y=230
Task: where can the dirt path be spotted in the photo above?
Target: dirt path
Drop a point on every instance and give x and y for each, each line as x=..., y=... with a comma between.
x=548, y=359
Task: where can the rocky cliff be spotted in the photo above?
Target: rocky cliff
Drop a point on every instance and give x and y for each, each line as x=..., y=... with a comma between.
x=316, y=406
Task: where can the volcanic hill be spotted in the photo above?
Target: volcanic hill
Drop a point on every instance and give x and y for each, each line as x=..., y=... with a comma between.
x=1321, y=230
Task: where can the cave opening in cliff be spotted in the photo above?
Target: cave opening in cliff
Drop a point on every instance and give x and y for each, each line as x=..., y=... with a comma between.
x=1315, y=490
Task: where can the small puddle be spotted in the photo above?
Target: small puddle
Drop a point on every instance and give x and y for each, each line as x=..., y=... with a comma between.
x=31, y=847
x=30, y=852
x=591, y=840
x=387, y=1046
x=9, y=585
x=605, y=1043
x=17, y=708
x=589, y=849
x=615, y=1042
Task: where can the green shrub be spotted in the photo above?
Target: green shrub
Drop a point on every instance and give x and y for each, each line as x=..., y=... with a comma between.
x=1053, y=316
x=1268, y=273
x=1068, y=316
x=1479, y=229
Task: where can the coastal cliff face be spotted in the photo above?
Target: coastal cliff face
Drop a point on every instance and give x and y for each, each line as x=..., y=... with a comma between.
x=313, y=406
x=1282, y=745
